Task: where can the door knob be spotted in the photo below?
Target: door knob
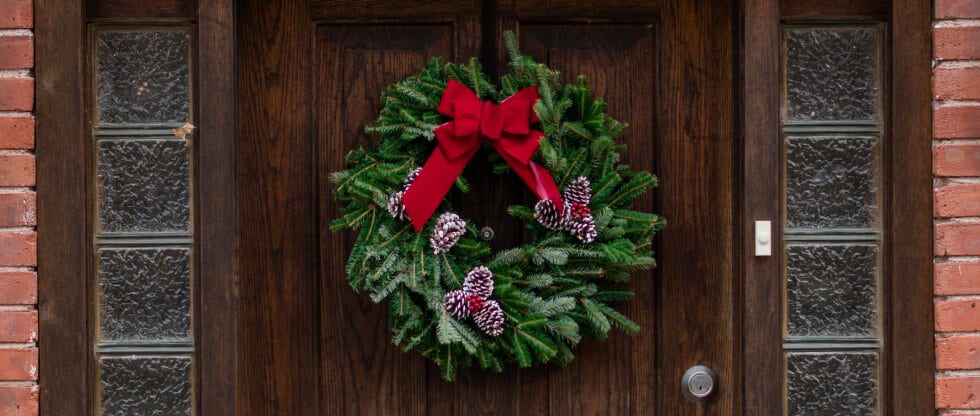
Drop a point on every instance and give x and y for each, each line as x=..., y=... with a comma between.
x=698, y=383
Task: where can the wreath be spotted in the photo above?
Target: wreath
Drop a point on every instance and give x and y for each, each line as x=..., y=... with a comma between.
x=449, y=296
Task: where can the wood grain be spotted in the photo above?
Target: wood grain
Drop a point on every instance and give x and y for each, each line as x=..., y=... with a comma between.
x=618, y=61
x=216, y=211
x=62, y=211
x=141, y=9
x=834, y=9
x=911, y=355
x=694, y=163
x=354, y=65
x=762, y=363
x=280, y=345
x=393, y=10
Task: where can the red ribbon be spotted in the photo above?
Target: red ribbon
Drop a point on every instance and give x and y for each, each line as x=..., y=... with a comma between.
x=508, y=127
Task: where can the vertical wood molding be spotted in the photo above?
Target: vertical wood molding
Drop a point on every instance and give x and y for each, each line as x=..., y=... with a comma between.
x=62, y=210
x=910, y=246
x=761, y=319
x=217, y=94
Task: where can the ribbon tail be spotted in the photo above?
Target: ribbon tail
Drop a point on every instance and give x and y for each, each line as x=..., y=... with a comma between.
x=431, y=186
x=535, y=177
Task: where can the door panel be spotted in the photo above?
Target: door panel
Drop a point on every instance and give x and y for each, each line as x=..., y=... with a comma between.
x=618, y=60
x=311, y=346
x=280, y=333
x=354, y=65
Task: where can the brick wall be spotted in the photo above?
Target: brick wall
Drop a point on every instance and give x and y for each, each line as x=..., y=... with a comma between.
x=18, y=257
x=956, y=166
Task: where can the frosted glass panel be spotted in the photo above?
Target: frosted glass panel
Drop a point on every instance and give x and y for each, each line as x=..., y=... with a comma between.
x=839, y=384
x=143, y=77
x=146, y=386
x=832, y=74
x=831, y=182
x=145, y=294
x=832, y=290
x=144, y=185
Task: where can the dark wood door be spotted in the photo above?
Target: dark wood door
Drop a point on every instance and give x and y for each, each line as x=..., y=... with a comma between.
x=311, y=73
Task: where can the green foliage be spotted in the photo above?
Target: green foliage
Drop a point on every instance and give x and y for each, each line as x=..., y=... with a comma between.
x=554, y=290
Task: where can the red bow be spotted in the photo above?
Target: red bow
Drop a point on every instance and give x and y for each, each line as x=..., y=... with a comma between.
x=508, y=127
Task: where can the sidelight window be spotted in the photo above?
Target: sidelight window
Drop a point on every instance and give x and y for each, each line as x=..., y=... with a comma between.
x=832, y=142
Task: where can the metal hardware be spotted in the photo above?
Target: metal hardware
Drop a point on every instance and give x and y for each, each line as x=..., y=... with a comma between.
x=763, y=238
x=486, y=234
x=698, y=383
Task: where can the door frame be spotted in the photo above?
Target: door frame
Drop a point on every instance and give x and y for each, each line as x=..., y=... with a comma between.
x=908, y=230
x=63, y=245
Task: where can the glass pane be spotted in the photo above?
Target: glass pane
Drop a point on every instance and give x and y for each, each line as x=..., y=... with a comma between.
x=145, y=294
x=831, y=290
x=143, y=77
x=832, y=182
x=832, y=384
x=144, y=185
x=146, y=386
x=832, y=74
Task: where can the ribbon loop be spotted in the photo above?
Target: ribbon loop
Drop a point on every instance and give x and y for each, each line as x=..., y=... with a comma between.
x=507, y=125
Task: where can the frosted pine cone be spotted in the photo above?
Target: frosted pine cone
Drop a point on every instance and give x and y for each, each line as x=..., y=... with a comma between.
x=547, y=214
x=579, y=191
x=583, y=228
x=411, y=178
x=456, y=304
x=490, y=318
x=479, y=281
x=396, y=207
x=448, y=230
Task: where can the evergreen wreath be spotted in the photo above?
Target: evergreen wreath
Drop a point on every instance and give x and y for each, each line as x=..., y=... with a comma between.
x=449, y=296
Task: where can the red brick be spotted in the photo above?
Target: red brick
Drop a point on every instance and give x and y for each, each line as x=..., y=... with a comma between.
x=954, y=200
x=956, y=159
x=959, y=122
x=16, y=52
x=18, y=248
x=958, y=393
x=958, y=353
x=17, y=170
x=958, y=239
x=956, y=83
x=16, y=93
x=957, y=278
x=958, y=315
x=18, y=364
x=956, y=43
x=18, y=288
x=18, y=326
x=17, y=133
x=19, y=400
x=16, y=14
x=18, y=209
x=957, y=9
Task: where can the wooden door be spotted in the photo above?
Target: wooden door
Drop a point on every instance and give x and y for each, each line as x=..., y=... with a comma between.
x=311, y=73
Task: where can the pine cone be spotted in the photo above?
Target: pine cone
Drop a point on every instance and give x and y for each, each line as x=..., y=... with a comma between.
x=490, y=318
x=579, y=191
x=456, y=304
x=583, y=228
x=411, y=178
x=395, y=206
x=479, y=281
x=448, y=230
x=547, y=214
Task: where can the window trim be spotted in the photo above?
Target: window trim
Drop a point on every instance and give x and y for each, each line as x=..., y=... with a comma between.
x=63, y=204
